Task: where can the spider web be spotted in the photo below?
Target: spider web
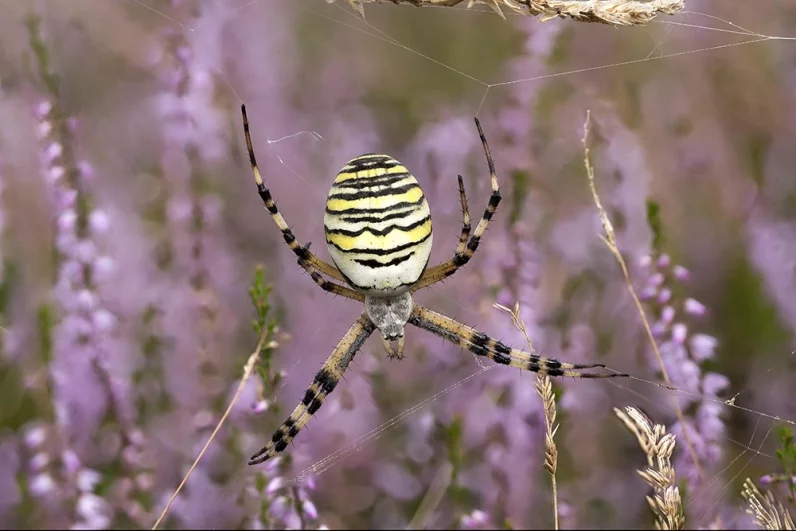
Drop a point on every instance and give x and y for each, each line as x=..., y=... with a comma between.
x=476, y=89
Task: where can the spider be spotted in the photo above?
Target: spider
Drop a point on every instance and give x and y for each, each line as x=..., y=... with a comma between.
x=378, y=233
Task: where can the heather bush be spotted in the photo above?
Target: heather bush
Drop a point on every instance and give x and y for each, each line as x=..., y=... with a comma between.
x=143, y=288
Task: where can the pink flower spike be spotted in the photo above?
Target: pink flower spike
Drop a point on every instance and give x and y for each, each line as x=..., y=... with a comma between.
x=658, y=329
x=260, y=406
x=679, y=333
x=71, y=462
x=67, y=220
x=655, y=280
x=279, y=507
x=714, y=383
x=680, y=273
x=703, y=346
x=86, y=170
x=55, y=173
x=474, y=520
x=103, y=320
x=87, y=479
x=39, y=461
x=67, y=198
x=309, y=510
x=85, y=251
x=103, y=265
x=86, y=300
x=99, y=222
x=41, y=484
x=271, y=465
x=664, y=261
x=694, y=307
x=42, y=109
x=667, y=314
x=274, y=485
x=647, y=293
x=665, y=295
x=44, y=129
x=54, y=151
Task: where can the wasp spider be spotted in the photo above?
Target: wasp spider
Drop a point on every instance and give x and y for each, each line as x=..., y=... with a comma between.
x=378, y=232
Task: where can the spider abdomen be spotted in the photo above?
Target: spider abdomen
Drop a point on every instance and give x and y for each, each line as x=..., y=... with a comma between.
x=378, y=225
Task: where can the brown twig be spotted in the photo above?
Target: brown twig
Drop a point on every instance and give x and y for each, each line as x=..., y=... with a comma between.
x=610, y=241
x=247, y=372
x=544, y=387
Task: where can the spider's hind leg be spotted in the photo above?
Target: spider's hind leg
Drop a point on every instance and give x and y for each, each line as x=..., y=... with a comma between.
x=324, y=383
x=482, y=345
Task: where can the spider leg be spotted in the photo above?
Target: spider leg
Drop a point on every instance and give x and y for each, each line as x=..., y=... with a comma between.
x=465, y=235
x=324, y=383
x=337, y=289
x=482, y=345
x=465, y=252
x=306, y=259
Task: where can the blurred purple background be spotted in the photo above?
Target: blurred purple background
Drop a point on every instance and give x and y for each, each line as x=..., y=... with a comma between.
x=131, y=230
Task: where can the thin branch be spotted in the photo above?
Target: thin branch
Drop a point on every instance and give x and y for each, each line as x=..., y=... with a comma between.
x=613, y=12
x=247, y=372
x=429, y=503
x=544, y=387
x=610, y=241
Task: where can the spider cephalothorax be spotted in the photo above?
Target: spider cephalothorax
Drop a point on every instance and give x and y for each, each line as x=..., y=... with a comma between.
x=378, y=232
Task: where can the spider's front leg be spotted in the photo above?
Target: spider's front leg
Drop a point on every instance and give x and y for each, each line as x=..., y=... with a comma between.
x=482, y=345
x=324, y=383
x=467, y=243
x=311, y=263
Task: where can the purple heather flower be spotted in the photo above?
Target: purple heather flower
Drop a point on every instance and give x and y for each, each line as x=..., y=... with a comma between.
x=656, y=280
x=39, y=461
x=679, y=333
x=683, y=351
x=648, y=292
x=274, y=485
x=309, y=509
x=702, y=346
x=260, y=406
x=680, y=273
x=475, y=520
x=664, y=295
x=41, y=484
x=694, y=307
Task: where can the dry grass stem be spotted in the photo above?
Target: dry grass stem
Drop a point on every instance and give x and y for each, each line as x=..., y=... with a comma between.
x=613, y=12
x=433, y=497
x=247, y=372
x=659, y=474
x=544, y=387
x=610, y=241
x=769, y=513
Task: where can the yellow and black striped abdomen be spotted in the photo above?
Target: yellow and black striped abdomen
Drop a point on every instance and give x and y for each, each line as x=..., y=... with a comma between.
x=378, y=225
